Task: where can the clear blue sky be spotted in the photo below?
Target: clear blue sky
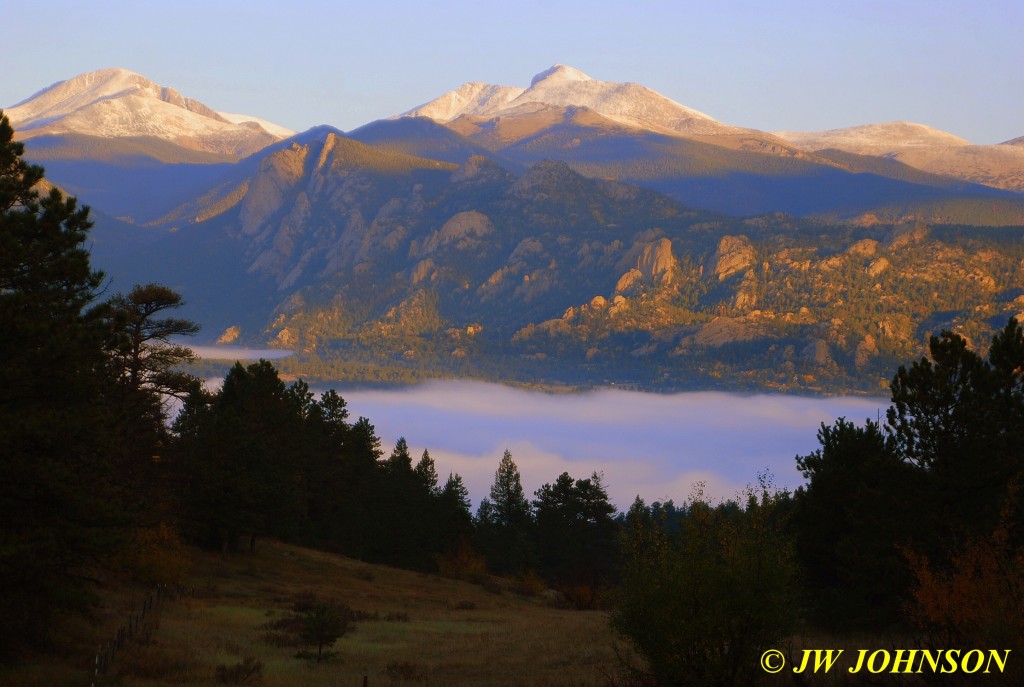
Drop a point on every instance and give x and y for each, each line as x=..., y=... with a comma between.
x=784, y=64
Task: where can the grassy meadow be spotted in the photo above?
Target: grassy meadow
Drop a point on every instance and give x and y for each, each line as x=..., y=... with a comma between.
x=409, y=629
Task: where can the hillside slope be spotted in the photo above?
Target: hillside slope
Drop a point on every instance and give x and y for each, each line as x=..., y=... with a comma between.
x=410, y=628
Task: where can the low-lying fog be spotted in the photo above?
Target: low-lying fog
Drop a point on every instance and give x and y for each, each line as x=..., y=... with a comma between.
x=653, y=445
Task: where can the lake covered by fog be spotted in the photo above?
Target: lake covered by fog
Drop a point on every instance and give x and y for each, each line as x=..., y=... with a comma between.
x=654, y=445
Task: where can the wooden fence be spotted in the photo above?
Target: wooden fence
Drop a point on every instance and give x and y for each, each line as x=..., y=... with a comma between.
x=138, y=627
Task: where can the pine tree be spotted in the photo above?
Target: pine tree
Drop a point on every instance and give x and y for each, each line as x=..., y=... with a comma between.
x=577, y=538
x=238, y=458
x=142, y=350
x=426, y=473
x=60, y=493
x=505, y=521
x=510, y=507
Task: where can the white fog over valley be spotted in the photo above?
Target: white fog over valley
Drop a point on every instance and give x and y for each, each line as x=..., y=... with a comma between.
x=654, y=445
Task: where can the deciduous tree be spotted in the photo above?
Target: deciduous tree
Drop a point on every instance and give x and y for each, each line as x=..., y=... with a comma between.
x=701, y=605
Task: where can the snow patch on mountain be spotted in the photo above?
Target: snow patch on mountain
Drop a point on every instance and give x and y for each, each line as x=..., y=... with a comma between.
x=925, y=148
x=276, y=129
x=472, y=98
x=874, y=139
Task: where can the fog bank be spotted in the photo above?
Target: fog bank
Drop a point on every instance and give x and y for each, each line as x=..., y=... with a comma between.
x=653, y=445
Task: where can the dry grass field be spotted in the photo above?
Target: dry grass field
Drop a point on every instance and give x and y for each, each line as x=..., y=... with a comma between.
x=409, y=629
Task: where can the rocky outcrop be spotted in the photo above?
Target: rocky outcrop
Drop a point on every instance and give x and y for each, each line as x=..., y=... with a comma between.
x=878, y=266
x=865, y=248
x=277, y=176
x=464, y=231
x=629, y=280
x=230, y=335
x=817, y=353
x=866, y=349
x=656, y=265
x=723, y=330
x=735, y=254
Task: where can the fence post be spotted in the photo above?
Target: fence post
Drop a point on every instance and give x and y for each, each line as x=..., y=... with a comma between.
x=133, y=630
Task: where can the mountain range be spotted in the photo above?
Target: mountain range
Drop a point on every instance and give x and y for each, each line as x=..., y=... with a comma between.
x=574, y=231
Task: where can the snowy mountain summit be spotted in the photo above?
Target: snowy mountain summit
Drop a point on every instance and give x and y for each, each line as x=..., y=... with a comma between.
x=560, y=72
x=629, y=104
x=118, y=103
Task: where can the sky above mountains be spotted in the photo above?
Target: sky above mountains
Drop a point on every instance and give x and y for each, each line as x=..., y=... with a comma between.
x=790, y=64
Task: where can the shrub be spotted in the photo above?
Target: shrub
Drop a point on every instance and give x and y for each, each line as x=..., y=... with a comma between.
x=582, y=597
x=462, y=562
x=529, y=583
x=974, y=600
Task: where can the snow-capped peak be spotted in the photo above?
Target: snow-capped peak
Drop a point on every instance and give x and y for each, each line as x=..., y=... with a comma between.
x=559, y=72
x=563, y=86
x=67, y=96
x=114, y=103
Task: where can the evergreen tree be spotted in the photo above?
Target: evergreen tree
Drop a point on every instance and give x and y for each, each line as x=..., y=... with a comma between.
x=147, y=367
x=356, y=529
x=510, y=507
x=242, y=468
x=399, y=463
x=946, y=467
x=142, y=352
x=62, y=501
x=324, y=447
x=505, y=521
x=577, y=539
x=861, y=504
x=426, y=473
x=960, y=418
x=456, y=493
